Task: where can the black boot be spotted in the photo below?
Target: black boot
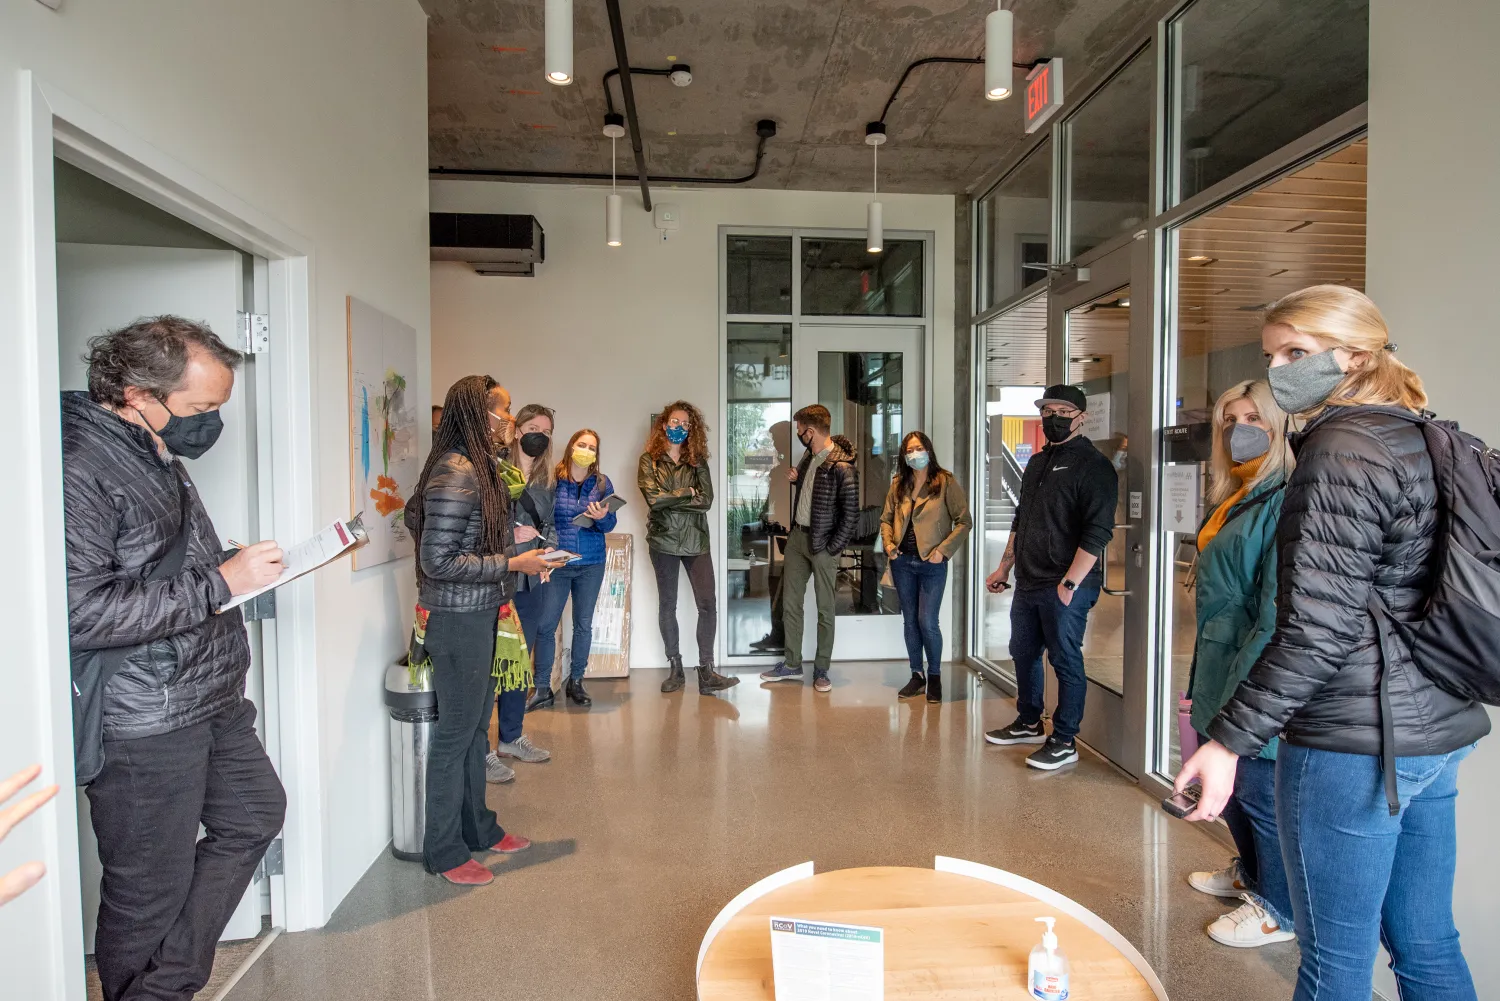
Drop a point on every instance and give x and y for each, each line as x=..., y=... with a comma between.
x=916, y=686
x=576, y=694
x=934, y=688
x=710, y=681
x=676, y=678
x=769, y=642
x=541, y=699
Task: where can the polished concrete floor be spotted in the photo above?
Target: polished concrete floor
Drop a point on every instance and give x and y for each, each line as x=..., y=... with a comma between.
x=656, y=810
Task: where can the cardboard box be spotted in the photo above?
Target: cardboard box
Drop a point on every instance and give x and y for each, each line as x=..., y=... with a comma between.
x=609, y=654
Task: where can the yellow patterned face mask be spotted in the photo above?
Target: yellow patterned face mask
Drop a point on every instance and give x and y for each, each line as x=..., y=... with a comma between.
x=512, y=668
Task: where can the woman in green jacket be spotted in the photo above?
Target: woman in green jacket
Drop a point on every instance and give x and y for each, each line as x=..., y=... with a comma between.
x=1236, y=616
x=674, y=479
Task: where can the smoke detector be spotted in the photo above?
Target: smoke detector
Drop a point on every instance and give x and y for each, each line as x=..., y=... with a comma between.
x=681, y=75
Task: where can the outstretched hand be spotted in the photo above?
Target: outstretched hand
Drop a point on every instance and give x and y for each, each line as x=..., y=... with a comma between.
x=23, y=877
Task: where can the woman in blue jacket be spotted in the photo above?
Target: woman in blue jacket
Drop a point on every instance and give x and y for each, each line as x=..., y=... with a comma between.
x=581, y=489
x=1249, y=469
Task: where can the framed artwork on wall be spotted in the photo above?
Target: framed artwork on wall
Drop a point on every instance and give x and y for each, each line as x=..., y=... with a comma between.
x=383, y=466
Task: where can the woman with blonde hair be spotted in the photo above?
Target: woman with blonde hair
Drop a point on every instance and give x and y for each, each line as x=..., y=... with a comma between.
x=1236, y=599
x=674, y=479
x=1367, y=770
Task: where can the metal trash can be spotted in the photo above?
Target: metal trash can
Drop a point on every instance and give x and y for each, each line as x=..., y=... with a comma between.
x=413, y=710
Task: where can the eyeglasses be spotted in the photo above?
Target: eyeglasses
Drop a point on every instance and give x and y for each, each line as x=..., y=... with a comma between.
x=1060, y=412
x=675, y=423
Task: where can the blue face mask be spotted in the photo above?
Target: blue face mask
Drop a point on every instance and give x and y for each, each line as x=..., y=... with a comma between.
x=916, y=460
x=677, y=435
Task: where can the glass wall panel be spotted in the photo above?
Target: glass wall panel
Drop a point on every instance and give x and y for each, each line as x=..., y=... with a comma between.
x=841, y=278
x=1014, y=230
x=758, y=448
x=1250, y=76
x=1015, y=373
x=1306, y=228
x=758, y=275
x=1109, y=158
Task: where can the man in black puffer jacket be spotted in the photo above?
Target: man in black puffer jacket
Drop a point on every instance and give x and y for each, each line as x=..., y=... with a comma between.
x=179, y=738
x=825, y=514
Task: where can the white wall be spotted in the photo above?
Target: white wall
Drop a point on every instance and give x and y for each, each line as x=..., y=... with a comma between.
x=607, y=335
x=313, y=113
x=1434, y=217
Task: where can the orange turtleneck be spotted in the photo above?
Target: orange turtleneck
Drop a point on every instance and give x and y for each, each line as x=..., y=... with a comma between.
x=1245, y=473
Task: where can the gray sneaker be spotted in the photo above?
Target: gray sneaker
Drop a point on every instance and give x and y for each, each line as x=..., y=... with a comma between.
x=522, y=749
x=497, y=771
x=782, y=673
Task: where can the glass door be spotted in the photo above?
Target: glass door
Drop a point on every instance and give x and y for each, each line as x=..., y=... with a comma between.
x=870, y=378
x=1091, y=337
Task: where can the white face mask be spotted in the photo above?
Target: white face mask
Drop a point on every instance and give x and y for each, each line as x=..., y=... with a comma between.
x=917, y=460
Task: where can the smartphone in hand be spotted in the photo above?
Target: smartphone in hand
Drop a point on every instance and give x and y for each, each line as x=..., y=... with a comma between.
x=1181, y=804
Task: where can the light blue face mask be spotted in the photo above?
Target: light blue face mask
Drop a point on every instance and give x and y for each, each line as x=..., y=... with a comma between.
x=677, y=435
x=916, y=460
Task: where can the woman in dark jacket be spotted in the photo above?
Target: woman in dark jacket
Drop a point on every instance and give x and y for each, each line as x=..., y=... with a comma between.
x=580, y=491
x=673, y=477
x=1370, y=849
x=1236, y=604
x=459, y=516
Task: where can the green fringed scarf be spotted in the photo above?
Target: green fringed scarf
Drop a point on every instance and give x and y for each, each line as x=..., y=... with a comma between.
x=511, y=476
x=512, y=668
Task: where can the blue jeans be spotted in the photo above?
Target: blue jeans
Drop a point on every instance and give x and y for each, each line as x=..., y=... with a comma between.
x=1039, y=621
x=1251, y=816
x=511, y=706
x=1360, y=877
x=583, y=583
x=920, y=587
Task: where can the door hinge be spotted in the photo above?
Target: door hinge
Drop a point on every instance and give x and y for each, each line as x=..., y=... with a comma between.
x=274, y=862
x=255, y=333
x=262, y=606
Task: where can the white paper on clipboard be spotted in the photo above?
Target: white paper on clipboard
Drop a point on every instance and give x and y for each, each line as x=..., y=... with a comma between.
x=334, y=541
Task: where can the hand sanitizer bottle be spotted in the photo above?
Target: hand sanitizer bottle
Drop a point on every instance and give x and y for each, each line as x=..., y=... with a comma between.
x=1047, y=973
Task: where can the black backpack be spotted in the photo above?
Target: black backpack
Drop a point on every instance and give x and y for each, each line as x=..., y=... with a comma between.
x=1455, y=641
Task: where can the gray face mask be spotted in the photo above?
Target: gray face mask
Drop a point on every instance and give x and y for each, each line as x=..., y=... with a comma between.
x=1246, y=442
x=1305, y=383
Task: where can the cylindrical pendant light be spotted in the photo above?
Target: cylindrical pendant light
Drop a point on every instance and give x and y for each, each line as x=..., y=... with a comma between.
x=874, y=216
x=997, y=55
x=612, y=208
x=558, y=26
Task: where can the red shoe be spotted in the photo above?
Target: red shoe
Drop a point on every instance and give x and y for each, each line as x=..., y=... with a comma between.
x=471, y=873
x=510, y=844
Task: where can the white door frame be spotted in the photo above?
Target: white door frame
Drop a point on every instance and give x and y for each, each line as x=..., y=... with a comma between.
x=55, y=125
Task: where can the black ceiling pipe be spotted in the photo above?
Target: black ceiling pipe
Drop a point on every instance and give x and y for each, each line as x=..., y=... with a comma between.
x=622, y=63
x=764, y=129
x=609, y=95
x=962, y=60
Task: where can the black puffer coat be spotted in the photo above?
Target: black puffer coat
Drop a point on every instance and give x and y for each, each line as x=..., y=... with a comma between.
x=835, y=499
x=121, y=511
x=1361, y=507
x=455, y=577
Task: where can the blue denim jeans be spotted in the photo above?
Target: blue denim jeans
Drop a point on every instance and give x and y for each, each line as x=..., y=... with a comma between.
x=1361, y=878
x=511, y=706
x=920, y=587
x=583, y=583
x=1251, y=816
x=1039, y=621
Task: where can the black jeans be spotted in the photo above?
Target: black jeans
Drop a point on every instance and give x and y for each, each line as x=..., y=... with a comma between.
x=166, y=896
x=700, y=571
x=462, y=645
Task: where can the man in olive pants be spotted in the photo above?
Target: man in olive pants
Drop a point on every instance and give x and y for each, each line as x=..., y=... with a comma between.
x=825, y=505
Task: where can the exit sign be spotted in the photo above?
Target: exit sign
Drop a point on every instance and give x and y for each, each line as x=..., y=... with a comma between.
x=1044, y=93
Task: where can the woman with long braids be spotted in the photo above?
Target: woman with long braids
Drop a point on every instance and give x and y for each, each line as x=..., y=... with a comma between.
x=467, y=633
x=673, y=478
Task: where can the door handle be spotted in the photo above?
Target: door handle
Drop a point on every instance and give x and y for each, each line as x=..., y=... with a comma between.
x=1104, y=569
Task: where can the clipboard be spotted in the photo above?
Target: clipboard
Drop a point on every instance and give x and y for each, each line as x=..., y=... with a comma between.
x=335, y=539
x=614, y=502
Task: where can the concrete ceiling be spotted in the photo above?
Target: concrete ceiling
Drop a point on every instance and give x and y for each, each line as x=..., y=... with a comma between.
x=820, y=68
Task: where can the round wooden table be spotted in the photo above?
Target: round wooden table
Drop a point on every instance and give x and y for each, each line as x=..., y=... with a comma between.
x=947, y=936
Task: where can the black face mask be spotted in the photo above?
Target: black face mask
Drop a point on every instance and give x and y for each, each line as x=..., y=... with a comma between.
x=1058, y=429
x=190, y=436
x=806, y=439
x=534, y=443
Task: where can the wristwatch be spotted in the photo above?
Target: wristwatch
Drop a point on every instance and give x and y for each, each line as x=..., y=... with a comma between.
x=1070, y=585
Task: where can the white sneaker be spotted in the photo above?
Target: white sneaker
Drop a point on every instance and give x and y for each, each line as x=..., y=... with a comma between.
x=1227, y=882
x=497, y=771
x=1248, y=926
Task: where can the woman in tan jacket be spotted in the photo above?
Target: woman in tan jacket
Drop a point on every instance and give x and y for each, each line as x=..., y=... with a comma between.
x=925, y=521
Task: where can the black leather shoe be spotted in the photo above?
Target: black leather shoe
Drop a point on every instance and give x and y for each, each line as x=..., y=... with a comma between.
x=766, y=643
x=916, y=686
x=934, y=688
x=543, y=699
x=577, y=695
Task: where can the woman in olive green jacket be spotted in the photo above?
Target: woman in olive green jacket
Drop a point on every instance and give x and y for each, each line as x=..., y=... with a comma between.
x=673, y=478
x=1236, y=599
x=925, y=521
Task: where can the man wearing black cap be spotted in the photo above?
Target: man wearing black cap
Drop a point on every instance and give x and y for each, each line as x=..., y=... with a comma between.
x=1062, y=524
